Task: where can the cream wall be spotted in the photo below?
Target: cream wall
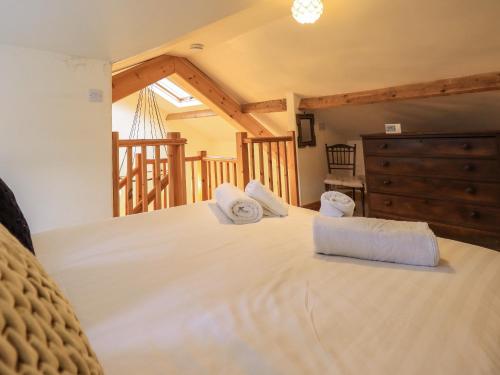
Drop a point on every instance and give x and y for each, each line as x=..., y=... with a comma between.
x=55, y=145
x=311, y=161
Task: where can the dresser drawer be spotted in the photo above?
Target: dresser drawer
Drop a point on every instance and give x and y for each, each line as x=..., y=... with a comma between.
x=485, y=170
x=437, y=147
x=490, y=239
x=437, y=211
x=438, y=188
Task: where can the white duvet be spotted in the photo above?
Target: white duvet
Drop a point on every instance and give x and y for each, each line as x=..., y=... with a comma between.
x=181, y=292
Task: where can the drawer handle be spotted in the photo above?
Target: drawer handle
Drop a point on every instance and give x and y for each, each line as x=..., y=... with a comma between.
x=474, y=214
x=466, y=146
x=383, y=146
x=388, y=202
x=387, y=182
x=385, y=163
x=468, y=167
x=470, y=190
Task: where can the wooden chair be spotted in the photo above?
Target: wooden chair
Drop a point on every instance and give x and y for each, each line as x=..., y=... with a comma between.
x=341, y=159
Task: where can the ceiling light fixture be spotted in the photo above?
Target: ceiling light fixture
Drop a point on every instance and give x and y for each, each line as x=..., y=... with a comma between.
x=307, y=11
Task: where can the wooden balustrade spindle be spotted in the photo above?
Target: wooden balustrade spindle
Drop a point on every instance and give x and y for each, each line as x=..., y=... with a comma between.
x=144, y=174
x=138, y=177
x=235, y=175
x=252, y=161
x=261, y=163
x=209, y=172
x=203, y=173
x=165, y=192
x=193, y=182
x=157, y=179
x=270, y=166
x=216, y=175
x=221, y=167
x=285, y=174
x=278, y=169
x=129, y=189
x=292, y=171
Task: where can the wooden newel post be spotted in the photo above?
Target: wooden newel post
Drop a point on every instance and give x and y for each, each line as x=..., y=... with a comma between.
x=203, y=175
x=177, y=172
x=115, y=173
x=242, y=160
x=292, y=170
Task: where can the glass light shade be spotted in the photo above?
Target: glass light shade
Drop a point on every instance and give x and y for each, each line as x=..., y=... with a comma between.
x=307, y=11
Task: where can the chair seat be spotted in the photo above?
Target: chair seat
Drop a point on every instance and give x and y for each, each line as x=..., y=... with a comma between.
x=347, y=181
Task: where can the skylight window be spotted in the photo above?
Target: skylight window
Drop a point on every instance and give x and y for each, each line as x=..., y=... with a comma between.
x=174, y=94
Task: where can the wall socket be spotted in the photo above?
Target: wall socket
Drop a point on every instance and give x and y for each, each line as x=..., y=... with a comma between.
x=95, y=96
x=392, y=128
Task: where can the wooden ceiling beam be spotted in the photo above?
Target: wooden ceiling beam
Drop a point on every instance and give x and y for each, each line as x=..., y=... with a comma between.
x=210, y=93
x=203, y=87
x=443, y=87
x=278, y=105
x=142, y=75
x=191, y=114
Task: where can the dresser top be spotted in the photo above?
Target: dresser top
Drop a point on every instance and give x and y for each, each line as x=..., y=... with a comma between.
x=432, y=134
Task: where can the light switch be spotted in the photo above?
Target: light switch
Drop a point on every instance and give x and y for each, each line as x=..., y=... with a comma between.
x=95, y=96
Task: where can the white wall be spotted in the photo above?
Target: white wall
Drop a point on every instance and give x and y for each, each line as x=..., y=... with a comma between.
x=55, y=146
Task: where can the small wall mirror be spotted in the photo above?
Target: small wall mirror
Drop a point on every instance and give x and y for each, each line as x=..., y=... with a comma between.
x=305, y=127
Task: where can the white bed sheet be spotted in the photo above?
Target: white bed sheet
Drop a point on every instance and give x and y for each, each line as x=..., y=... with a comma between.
x=180, y=291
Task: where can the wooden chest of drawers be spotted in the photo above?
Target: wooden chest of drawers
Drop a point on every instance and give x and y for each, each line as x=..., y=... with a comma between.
x=451, y=181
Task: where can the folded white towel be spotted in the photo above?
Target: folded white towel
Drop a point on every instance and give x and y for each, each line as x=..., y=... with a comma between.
x=376, y=239
x=240, y=208
x=271, y=203
x=336, y=204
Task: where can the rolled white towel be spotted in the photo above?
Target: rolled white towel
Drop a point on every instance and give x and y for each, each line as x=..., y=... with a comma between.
x=271, y=203
x=376, y=239
x=240, y=208
x=336, y=204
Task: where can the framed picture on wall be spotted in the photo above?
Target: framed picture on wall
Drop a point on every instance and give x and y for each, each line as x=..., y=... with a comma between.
x=305, y=128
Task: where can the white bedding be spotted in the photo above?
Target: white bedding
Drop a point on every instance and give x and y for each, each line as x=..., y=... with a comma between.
x=180, y=292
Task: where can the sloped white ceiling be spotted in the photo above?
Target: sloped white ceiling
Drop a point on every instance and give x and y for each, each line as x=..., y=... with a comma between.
x=360, y=45
x=106, y=29
x=356, y=45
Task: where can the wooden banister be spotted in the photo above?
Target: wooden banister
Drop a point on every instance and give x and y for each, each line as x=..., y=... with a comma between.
x=267, y=139
x=220, y=159
x=164, y=179
x=140, y=190
x=152, y=142
x=193, y=158
x=272, y=160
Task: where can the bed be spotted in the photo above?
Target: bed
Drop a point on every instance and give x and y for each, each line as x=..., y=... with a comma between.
x=182, y=291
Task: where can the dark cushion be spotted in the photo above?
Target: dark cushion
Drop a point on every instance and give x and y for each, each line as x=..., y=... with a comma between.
x=12, y=218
